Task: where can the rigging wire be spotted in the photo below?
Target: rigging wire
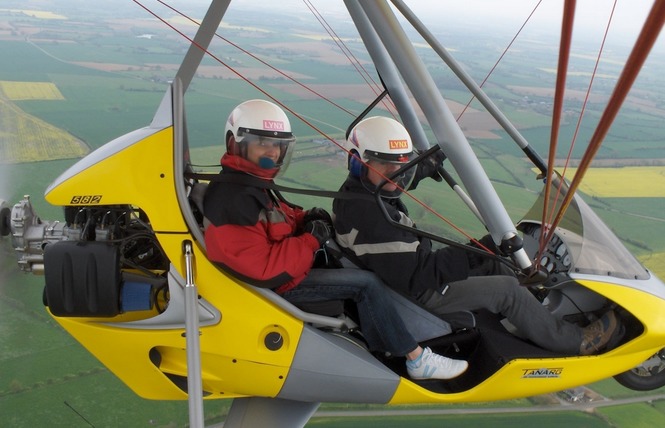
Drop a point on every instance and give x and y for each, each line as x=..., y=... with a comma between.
x=600, y=132
x=353, y=60
x=240, y=48
x=241, y=76
x=335, y=37
x=237, y=73
x=505, y=51
x=338, y=40
x=300, y=117
x=645, y=41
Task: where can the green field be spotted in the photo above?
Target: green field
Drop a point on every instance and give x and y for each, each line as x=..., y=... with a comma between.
x=112, y=81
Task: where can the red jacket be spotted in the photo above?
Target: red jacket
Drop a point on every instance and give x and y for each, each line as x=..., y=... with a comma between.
x=253, y=235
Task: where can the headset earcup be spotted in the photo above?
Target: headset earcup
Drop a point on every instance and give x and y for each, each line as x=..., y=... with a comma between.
x=355, y=165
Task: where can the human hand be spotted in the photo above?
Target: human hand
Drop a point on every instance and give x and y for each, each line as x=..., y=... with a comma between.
x=429, y=167
x=319, y=229
x=317, y=213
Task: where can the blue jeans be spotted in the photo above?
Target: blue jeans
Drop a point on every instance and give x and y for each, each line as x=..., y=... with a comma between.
x=382, y=327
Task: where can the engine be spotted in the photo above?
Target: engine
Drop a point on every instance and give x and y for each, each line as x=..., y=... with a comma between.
x=99, y=261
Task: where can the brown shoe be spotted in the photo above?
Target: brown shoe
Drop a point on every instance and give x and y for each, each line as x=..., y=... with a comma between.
x=596, y=335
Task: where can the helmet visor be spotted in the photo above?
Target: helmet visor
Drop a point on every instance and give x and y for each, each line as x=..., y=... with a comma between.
x=390, y=169
x=269, y=152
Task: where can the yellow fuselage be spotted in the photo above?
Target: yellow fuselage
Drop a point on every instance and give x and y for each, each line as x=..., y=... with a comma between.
x=235, y=360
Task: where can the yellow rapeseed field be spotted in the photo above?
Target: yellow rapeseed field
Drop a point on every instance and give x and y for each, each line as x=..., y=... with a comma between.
x=656, y=263
x=20, y=91
x=26, y=138
x=625, y=182
x=41, y=14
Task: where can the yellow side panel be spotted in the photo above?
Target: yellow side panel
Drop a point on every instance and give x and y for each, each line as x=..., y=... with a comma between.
x=246, y=316
x=523, y=378
x=140, y=175
x=126, y=353
x=237, y=354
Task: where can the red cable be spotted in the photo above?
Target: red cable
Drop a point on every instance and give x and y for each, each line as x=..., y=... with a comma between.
x=562, y=71
x=261, y=61
x=425, y=206
x=638, y=56
x=285, y=107
x=583, y=109
x=362, y=71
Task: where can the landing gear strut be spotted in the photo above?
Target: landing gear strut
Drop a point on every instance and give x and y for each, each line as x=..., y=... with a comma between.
x=647, y=376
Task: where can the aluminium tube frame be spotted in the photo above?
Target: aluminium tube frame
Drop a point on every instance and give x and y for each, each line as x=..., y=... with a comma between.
x=194, y=376
x=471, y=84
x=390, y=77
x=444, y=126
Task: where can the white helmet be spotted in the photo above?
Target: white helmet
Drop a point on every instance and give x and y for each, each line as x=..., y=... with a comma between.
x=381, y=139
x=259, y=120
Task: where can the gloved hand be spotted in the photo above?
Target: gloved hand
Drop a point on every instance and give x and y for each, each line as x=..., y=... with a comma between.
x=487, y=242
x=317, y=213
x=318, y=229
x=429, y=167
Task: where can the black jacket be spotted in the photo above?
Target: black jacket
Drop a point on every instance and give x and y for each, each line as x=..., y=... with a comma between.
x=402, y=259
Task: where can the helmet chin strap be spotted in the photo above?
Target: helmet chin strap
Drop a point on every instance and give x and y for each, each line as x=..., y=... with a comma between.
x=267, y=163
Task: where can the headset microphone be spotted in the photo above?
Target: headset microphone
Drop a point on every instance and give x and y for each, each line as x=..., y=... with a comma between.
x=267, y=163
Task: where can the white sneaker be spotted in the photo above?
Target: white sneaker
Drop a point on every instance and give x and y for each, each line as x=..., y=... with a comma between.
x=434, y=366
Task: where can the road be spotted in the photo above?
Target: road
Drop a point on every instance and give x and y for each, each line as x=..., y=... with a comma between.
x=564, y=407
x=491, y=410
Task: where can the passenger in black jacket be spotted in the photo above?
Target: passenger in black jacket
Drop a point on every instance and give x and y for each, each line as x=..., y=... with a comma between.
x=445, y=280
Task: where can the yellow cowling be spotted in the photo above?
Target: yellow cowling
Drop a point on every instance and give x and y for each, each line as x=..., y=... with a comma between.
x=235, y=360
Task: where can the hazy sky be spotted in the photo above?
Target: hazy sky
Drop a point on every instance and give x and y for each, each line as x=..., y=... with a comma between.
x=590, y=17
x=629, y=14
